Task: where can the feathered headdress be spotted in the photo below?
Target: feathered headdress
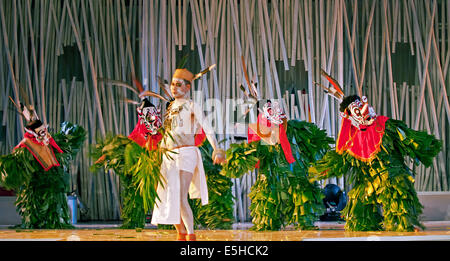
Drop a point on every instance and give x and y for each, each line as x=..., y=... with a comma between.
x=26, y=111
x=334, y=90
x=252, y=95
x=183, y=73
x=353, y=107
x=139, y=90
x=200, y=74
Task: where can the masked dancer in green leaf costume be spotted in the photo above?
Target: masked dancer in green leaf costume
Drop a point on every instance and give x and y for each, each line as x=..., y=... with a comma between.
x=281, y=151
x=371, y=151
x=136, y=158
x=37, y=170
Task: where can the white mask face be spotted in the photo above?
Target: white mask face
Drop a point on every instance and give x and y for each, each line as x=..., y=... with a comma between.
x=41, y=134
x=151, y=117
x=361, y=113
x=273, y=112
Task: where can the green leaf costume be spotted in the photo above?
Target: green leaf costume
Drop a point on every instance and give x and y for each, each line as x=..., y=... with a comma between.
x=382, y=194
x=139, y=171
x=41, y=195
x=282, y=194
x=218, y=214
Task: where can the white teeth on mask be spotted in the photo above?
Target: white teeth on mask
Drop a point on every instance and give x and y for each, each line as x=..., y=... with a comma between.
x=361, y=113
x=273, y=112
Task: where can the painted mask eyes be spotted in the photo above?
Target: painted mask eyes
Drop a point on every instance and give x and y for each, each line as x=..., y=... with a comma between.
x=42, y=132
x=273, y=112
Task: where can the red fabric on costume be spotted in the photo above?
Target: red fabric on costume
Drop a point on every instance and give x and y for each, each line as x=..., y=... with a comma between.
x=253, y=136
x=33, y=139
x=361, y=144
x=153, y=141
x=200, y=137
x=285, y=145
x=54, y=145
x=138, y=136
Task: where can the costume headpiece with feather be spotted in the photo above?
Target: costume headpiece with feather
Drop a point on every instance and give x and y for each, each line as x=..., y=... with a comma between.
x=251, y=96
x=148, y=114
x=186, y=75
x=34, y=125
x=352, y=107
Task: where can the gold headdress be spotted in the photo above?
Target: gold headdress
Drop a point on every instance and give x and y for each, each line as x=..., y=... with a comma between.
x=186, y=75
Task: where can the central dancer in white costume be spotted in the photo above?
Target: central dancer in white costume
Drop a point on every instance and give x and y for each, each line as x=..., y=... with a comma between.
x=182, y=167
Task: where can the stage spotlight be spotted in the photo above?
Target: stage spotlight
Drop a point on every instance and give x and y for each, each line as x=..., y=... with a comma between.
x=334, y=201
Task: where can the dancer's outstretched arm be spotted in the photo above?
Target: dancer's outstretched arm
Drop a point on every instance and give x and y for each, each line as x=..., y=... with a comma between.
x=69, y=139
x=419, y=145
x=240, y=159
x=16, y=168
x=331, y=165
x=218, y=154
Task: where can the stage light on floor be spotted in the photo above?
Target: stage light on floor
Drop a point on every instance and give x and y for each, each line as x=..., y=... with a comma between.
x=334, y=201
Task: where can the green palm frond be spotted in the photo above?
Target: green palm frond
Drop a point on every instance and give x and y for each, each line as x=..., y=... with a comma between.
x=282, y=194
x=16, y=168
x=419, y=145
x=112, y=149
x=386, y=183
x=241, y=158
x=146, y=176
x=218, y=214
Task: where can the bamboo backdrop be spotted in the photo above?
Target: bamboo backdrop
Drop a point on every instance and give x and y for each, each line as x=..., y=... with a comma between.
x=395, y=52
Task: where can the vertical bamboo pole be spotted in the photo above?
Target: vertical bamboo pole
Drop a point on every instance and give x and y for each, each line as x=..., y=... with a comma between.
x=265, y=51
x=428, y=48
x=294, y=32
x=10, y=63
x=280, y=35
x=309, y=43
x=389, y=63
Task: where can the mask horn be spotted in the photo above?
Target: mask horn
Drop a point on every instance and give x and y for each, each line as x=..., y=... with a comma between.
x=138, y=85
x=253, y=88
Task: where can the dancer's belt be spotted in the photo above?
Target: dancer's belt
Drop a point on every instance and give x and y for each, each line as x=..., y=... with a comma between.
x=183, y=146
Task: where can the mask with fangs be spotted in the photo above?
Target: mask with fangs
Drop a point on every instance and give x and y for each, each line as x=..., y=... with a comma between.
x=358, y=111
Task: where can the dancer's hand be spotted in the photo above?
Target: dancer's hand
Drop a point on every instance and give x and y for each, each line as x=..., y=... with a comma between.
x=219, y=156
x=219, y=159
